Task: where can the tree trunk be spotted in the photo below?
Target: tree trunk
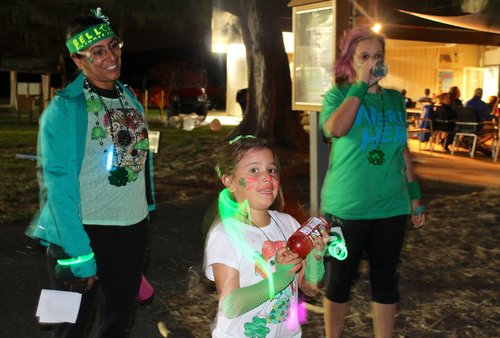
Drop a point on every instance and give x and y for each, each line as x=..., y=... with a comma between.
x=268, y=113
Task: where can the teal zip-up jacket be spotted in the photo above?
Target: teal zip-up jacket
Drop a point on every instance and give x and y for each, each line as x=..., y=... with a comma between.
x=61, y=146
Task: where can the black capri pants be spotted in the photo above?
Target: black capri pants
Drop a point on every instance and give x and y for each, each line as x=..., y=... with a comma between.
x=382, y=240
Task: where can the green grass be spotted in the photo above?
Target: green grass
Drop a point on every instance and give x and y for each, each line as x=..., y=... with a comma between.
x=183, y=166
x=19, y=188
x=182, y=156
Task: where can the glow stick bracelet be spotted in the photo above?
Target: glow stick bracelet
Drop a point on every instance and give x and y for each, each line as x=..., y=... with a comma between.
x=77, y=260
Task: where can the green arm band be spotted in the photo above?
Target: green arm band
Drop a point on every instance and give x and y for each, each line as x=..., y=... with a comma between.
x=414, y=190
x=420, y=210
x=77, y=260
x=247, y=298
x=358, y=89
x=315, y=270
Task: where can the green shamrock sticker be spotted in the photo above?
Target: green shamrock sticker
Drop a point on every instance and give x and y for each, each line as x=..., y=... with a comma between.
x=257, y=328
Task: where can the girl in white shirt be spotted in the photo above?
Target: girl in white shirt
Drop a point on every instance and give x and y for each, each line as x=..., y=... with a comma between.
x=255, y=275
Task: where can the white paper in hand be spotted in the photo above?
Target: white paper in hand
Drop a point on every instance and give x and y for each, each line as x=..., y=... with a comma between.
x=56, y=306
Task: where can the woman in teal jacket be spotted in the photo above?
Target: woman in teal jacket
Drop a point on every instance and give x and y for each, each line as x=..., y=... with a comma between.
x=96, y=187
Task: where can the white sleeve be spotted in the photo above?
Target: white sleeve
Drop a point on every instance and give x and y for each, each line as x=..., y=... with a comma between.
x=220, y=249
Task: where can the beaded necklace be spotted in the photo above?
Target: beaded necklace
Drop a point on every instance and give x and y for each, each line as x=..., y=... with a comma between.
x=119, y=125
x=376, y=156
x=94, y=106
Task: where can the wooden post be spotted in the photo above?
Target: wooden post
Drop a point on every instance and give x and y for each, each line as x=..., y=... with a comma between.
x=13, y=88
x=145, y=103
x=162, y=95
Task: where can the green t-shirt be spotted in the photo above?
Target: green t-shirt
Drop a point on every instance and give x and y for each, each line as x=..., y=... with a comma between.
x=354, y=188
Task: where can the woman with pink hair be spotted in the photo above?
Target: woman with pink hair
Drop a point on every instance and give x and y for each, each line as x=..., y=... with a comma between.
x=370, y=189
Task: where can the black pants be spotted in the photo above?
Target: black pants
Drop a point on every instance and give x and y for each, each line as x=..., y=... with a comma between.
x=120, y=253
x=382, y=240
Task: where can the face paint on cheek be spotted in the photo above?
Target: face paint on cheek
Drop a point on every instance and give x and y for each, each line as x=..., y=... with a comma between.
x=251, y=181
x=90, y=60
x=242, y=182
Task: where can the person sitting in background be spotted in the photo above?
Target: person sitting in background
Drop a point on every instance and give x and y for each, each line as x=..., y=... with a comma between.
x=484, y=116
x=455, y=101
x=428, y=112
x=444, y=119
x=494, y=110
x=483, y=113
x=427, y=98
x=493, y=106
x=408, y=102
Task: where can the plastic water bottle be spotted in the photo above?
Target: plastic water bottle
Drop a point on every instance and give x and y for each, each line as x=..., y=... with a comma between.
x=380, y=69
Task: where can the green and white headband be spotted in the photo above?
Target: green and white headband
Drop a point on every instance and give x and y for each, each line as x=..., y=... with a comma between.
x=91, y=35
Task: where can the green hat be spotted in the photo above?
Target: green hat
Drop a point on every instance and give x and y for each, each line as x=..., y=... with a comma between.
x=91, y=35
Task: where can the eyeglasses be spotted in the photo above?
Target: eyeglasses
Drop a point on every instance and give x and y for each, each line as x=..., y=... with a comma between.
x=98, y=53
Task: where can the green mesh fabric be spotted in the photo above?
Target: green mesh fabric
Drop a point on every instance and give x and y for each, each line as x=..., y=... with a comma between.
x=247, y=298
x=315, y=269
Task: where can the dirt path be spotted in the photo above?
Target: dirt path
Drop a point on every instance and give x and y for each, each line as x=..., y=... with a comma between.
x=449, y=269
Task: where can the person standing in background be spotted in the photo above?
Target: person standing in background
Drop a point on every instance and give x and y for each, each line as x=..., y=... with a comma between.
x=96, y=187
x=370, y=187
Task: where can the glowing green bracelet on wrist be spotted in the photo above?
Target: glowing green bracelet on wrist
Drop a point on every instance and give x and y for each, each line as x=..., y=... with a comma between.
x=77, y=260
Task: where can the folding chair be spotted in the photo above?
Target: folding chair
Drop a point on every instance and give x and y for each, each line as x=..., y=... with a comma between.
x=443, y=123
x=467, y=126
x=495, y=149
x=422, y=131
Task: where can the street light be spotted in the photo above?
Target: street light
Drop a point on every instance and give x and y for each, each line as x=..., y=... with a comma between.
x=377, y=28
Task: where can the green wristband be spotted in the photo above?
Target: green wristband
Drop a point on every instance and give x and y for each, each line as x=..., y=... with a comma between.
x=358, y=89
x=77, y=260
x=414, y=190
x=315, y=270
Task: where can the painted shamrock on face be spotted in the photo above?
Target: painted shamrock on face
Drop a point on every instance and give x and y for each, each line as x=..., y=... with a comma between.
x=242, y=182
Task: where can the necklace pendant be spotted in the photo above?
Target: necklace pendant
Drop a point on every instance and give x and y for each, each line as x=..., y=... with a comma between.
x=131, y=175
x=376, y=157
x=142, y=145
x=93, y=106
x=97, y=133
x=118, y=176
